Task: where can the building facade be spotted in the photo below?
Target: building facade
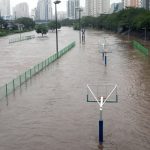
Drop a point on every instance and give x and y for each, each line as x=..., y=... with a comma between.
x=44, y=10
x=61, y=15
x=72, y=9
x=97, y=7
x=132, y=3
x=146, y=4
x=21, y=10
x=115, y=7
x=33, y=14
x=4, y=8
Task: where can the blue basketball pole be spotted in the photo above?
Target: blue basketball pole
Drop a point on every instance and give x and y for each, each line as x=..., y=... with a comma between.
x=101, y=128
x=100, y=131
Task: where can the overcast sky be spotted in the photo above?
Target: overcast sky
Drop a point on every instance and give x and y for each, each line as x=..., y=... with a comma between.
x=61, y=6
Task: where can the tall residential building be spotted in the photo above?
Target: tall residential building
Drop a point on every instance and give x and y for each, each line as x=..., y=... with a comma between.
x=44, y=10
x=61, y=15
x=134, y=3
x=72, y=11
x=131, y=3
x=21, y=10
x=105, y=6
x=115, y=7
x=33, y=13
x=97, y=7
x=4, y=8
x=146, y=4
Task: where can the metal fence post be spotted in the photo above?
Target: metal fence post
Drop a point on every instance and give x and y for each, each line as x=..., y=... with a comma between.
x=13, y=84
x=20, y=79
x=30, y=73
x=6, y=90
x=25, y=77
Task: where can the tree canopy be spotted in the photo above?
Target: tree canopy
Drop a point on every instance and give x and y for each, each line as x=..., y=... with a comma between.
x=135, y=18
x=3, y=23
x=52, y=25
x=41, y=28
x=27, y=22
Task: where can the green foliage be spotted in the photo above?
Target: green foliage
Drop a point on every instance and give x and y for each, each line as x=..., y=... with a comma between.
x=3, y=23
x=76, y=26
x=88, y=21
x=67, y=22
x=3, y=33
x=41, y=28
x=133, y=18
x=27, y=22
x=52, y=25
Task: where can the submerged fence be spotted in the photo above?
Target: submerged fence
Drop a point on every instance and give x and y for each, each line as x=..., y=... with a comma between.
x=11, y=86
x=140, y=47
x=21, y=38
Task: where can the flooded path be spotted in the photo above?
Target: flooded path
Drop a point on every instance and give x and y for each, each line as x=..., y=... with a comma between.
x=50, y=112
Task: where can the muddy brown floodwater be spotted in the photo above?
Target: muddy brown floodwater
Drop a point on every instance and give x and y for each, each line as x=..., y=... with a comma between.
x=50, y=111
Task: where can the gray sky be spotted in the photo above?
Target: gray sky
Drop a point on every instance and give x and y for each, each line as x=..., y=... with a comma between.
x=61, y=6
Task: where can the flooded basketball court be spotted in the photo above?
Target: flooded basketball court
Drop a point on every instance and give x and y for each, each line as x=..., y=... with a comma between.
x=50, y=111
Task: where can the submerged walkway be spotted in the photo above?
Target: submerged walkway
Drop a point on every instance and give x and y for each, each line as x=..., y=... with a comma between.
x=50, y=112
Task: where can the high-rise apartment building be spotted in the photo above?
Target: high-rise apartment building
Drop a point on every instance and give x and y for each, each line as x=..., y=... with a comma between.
x=4, y=8
x=33, y=14
x=131, y=3
x=73, y=8
x=44, y=10
x=21, y=10
x=134, y=3
x=146, y=4
x=97, y=7
x=115, y=7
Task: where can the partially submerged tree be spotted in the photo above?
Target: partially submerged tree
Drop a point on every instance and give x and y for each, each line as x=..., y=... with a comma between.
x=41, y=28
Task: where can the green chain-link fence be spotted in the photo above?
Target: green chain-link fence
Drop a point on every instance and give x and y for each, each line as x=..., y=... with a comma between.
x=8, y=88
x=140, y=47
x=21, y=38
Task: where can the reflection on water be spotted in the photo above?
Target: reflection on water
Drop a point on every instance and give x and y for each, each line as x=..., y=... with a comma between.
x=50, y=111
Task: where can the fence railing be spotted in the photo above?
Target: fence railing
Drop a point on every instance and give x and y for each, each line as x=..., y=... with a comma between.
x=21, y=38
x=11, y=86
x=140, y=47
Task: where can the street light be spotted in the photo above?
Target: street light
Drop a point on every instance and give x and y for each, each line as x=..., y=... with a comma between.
x=56, y=2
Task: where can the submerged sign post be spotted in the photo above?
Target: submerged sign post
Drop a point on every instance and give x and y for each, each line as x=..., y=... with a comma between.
x=102, y=94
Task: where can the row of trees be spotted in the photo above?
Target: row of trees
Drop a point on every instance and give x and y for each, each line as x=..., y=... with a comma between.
x=133, y=18
x=15, y=26
x=43, y=28
x=25, y=24
x=130, y=18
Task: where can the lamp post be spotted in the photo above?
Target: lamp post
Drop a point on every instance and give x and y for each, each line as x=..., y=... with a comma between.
x=56, y=2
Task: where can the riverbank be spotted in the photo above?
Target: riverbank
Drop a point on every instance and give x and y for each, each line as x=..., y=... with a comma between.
x=137, y=36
